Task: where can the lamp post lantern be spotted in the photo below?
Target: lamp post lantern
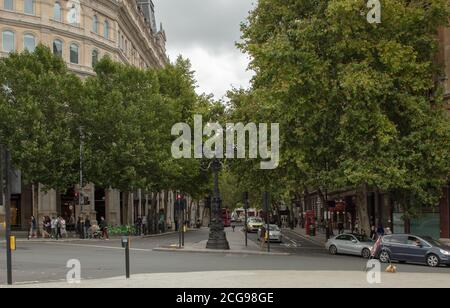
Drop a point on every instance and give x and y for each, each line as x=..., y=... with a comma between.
x=217, y=237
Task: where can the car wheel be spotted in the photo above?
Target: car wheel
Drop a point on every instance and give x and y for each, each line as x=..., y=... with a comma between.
x=333, y=250
x=433, y=260
x=385, y=257
x=366, y=253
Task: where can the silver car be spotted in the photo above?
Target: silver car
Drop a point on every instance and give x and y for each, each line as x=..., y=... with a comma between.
x=351, y=244
x=275, y=234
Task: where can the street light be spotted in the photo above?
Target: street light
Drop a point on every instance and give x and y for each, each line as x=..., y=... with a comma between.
x=217, y=237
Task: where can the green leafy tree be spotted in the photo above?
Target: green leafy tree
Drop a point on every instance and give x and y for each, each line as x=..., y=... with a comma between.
x=357, y=103
x=38, y=99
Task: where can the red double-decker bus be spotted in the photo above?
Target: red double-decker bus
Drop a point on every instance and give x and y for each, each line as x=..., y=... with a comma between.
x=226, y=218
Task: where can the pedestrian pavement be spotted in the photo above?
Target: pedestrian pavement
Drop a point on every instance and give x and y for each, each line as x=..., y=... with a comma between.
x=259, y=279
x=235, y=239
x=23, y=239
x=320, y=237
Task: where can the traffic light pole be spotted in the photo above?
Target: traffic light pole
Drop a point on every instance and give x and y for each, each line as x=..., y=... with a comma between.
x=7, y=194
x=182, y=223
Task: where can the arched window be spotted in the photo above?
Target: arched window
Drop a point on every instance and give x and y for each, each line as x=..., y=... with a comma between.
x=8, y=4
x=106, y=30
x=8, y=41
x=58, y=48
x=95, y=24
x=29, y=42
x=74, y=54
x=94, y=57
x=28, y=7
x=57, y=12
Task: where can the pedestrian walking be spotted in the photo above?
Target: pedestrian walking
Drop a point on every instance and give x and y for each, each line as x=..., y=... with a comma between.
x=138, y=226
x=373, y=232
x=81, y=229
x=380, y=230
x=144, y=225
x=262, y=236
x=58, y=228
x=46, y=227
x=104, y=228
x=71, y=224
x=33, y=228
x=63, y=228
x=54, y=224
x=87, y=227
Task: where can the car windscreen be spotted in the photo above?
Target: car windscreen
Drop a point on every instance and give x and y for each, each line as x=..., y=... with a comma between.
x=434, y=242
x=255, y=220
x=362, y=238
x=274, y=228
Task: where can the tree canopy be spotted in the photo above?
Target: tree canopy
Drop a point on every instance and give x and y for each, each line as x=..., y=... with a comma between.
x=358, y=104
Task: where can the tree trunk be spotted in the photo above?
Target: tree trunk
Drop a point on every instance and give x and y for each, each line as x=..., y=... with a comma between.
x=362, y=208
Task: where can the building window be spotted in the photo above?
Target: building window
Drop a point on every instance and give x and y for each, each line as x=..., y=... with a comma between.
x=95, y=24
x=58, y=48
x=8, y=4
x=29, y=42
x=57, y=12
x=8, y=41
x=94, y=58
x=28, y=7
x=74, y=54
x=106, y=30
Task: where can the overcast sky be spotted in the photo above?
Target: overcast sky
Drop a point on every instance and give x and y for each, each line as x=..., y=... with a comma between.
x=205, y=31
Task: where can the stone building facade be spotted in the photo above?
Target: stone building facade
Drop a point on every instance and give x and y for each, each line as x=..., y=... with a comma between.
x=82, y=32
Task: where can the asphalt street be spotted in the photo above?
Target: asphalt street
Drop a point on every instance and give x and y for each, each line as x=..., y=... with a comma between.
x=46, y=262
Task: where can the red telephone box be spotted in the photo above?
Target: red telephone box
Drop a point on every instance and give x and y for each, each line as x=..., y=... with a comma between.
x=311, y=223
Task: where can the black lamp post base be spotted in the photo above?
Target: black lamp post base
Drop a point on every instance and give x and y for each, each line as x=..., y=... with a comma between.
x=217, y=239
x=218, y=244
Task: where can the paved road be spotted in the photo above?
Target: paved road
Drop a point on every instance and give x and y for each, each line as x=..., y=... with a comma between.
x=45, y=262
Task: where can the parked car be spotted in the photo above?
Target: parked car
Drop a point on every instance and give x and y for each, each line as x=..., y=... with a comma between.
x=254, y=224
x=414, y=249
x=275, y=234
x=351, y=244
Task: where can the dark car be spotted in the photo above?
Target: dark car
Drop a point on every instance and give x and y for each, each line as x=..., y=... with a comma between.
x=414, y=249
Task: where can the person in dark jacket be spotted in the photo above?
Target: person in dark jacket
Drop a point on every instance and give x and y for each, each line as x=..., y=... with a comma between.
x=87, y=226
x=104, y=228
x=33, y=228
x=380, y=230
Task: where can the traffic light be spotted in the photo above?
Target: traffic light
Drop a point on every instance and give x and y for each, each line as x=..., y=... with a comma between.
x=180, y=203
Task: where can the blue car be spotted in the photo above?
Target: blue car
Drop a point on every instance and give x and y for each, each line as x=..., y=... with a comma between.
x=414, y=249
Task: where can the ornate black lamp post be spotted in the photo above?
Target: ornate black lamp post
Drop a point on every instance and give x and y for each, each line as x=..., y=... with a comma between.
x=217, y=237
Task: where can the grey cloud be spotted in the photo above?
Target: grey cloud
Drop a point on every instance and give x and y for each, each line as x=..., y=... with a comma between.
x=205, y=31
x=215, y=23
